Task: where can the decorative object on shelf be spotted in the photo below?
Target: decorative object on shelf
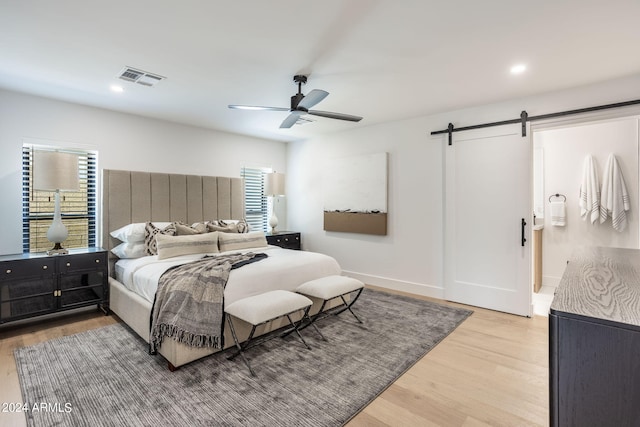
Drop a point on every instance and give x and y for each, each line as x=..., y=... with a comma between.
x=55, y=171
x=274, y=187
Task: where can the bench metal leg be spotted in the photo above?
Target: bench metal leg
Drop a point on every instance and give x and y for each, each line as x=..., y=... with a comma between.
x=321, y=315
x=314, y=327
x=348, y=306
x=297, y=327
x=239, y=350
x=300, y=327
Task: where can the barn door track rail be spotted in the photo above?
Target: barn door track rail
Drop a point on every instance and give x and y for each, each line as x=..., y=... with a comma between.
x=524, y=118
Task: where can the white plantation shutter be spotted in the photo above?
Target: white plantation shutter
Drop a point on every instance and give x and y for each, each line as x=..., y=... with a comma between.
x=78, y=208
x=256, y=204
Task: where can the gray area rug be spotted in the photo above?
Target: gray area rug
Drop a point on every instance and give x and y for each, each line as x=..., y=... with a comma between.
x=105, y=377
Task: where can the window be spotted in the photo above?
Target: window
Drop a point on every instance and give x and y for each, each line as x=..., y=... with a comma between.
x=78, y=208
x=256, y=204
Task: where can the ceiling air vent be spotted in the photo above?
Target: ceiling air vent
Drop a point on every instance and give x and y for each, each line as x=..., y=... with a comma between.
x=141, y=77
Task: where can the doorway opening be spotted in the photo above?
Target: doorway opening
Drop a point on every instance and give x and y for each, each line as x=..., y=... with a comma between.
x=560, y=151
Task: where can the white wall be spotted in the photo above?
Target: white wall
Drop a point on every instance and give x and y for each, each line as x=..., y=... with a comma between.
x=123, y=141
x=565, y=149
x=410, y=257
x=410, y=251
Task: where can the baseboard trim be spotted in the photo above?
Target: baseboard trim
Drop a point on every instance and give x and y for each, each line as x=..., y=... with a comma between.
x=398, y=285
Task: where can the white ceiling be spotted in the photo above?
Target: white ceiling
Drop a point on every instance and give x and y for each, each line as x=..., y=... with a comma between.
x=383, y=60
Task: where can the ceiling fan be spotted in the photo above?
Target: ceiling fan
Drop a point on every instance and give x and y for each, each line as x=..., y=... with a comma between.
x=300, y=105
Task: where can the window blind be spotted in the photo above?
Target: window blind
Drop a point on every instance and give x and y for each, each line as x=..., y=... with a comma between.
x=256, y=204
x=78, y=208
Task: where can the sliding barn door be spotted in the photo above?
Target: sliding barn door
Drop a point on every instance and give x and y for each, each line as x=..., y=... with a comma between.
x=487, y=219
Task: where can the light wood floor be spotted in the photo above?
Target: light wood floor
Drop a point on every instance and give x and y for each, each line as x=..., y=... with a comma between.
x=491, y=371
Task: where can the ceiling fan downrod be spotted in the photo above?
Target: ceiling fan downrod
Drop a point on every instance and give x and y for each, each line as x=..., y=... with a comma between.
x=295, y=99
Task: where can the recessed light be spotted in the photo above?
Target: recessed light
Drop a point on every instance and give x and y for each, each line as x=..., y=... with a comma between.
x=518, y=69
x=116, y=89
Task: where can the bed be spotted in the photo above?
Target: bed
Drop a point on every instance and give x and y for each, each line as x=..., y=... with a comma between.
x=136, y=197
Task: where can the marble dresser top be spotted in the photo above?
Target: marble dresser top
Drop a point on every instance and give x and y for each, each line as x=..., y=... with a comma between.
x=602, y=283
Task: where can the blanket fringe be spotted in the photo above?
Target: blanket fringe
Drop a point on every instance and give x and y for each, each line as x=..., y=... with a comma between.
x=177, y=307
x=180, y=335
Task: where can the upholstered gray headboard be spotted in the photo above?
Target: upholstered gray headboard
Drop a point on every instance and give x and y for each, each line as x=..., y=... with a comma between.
x=129, y=197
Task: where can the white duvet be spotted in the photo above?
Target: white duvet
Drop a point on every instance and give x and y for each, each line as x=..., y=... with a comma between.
x=283, y=269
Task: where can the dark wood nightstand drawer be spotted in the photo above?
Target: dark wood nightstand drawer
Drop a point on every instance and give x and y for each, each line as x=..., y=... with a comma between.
x=285, y=239
x=25, y=268
x=91, y=261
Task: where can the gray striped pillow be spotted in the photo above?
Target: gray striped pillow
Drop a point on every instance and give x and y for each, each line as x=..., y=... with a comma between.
x=236, y=241
x=170, y=246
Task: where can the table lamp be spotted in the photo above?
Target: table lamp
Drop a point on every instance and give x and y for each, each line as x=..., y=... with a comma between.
x=274, y=187
x=55, y=171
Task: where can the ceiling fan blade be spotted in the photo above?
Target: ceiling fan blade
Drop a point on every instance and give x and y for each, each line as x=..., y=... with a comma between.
x=291, y=119
x=312, y=98
x=256, y=107
x=338, y=116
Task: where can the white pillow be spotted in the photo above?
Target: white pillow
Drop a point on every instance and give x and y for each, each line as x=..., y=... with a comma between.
x=236, y=241
x=133, y=233
x=129, y=250
x=170, y=246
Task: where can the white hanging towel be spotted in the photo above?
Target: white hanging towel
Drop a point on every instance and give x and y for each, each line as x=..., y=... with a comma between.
x=589, y=191
x=558, y=216
x=615, y=199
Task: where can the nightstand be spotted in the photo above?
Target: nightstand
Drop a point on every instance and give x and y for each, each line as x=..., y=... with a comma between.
x=36, y=284
x=285, y=239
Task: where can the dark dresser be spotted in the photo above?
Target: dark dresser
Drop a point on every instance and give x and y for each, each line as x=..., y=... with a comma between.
x=594, y=340
x=36, y=284
x=285, y=239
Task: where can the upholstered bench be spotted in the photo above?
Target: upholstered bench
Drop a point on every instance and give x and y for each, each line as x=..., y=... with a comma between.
x=264, y=308
x=328, y=288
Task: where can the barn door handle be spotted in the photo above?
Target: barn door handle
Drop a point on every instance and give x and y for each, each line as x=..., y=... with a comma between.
x=524, y=239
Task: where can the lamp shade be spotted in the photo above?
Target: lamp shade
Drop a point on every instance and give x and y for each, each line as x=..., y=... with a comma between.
x=274, y=184
x=53, y=170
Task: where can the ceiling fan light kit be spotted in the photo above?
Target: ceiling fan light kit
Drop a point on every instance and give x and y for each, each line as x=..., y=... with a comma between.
x=300, y=105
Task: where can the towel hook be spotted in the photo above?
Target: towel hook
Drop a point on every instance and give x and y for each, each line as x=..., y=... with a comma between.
x=558, y=195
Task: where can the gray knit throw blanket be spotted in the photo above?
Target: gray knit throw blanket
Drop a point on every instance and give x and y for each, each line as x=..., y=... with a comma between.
x=189, y=302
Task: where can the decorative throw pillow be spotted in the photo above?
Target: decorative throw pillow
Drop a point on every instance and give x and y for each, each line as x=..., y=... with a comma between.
x=228, y=226
x=217, y=226
x=171, y=246
x=183, y=229
x=236, y=241
x=242, y=226
x=150, y=234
